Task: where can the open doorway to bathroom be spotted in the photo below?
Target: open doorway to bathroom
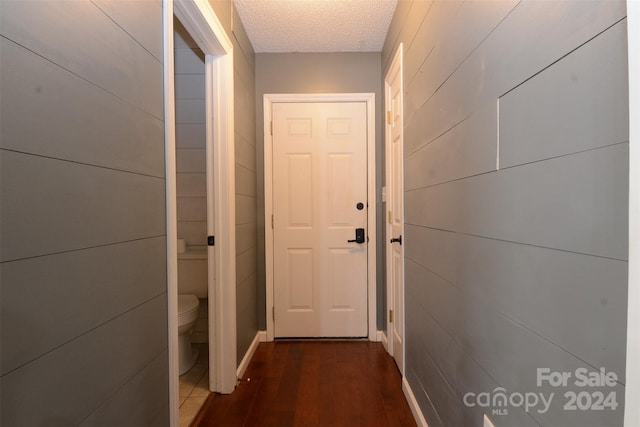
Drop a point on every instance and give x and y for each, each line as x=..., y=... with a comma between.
x=200, y=21
x=191, y=192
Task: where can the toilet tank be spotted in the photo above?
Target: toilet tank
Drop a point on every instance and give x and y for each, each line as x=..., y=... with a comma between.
x=192, y=273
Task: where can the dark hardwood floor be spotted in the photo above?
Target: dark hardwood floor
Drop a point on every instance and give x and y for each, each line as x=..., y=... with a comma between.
x=313, y=383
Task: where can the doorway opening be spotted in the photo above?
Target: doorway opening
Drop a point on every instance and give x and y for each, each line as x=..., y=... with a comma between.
x=193, y=203
x=203, y=26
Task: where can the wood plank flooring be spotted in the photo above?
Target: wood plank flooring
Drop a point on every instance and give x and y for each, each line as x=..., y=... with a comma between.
x=313, y=383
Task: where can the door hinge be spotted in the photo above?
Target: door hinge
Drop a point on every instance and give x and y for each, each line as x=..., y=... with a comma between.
x=271, y=127
x=389, y=117
x=273, y=313
x=390, y=217
x=272, y=222
x=390, y=316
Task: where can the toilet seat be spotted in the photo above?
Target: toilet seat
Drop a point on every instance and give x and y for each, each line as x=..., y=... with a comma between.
x=187, y=308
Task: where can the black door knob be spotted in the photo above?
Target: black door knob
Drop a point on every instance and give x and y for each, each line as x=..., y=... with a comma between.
x=397, y=239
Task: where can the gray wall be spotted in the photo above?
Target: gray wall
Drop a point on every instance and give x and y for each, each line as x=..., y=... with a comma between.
x=191, y=164
x=245, y=165
x=83, y=299
x=318, y=73
x=521, y=266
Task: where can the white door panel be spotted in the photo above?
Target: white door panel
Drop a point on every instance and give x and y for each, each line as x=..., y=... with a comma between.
x=395, y=206
x=319, y=177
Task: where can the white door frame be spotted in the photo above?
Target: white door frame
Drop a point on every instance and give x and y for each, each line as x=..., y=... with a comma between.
x=369, y=99
x=632, y=388
x=199, y=19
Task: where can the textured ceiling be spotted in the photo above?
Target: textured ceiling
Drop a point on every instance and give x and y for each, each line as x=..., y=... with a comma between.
x=316, y=25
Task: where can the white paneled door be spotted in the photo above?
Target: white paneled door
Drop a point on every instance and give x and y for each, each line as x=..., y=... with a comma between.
x=320, y=219
x=395, y=206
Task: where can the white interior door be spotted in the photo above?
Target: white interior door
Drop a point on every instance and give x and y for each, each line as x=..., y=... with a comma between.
x=319, y=200
x=395, y=205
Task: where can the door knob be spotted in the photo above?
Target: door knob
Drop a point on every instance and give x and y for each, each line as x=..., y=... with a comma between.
x=397, y=239
x=359, y=236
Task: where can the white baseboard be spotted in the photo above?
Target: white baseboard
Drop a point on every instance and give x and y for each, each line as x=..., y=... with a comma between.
x=262, y=336
x=249, y=354
x=413, y=404
x=382, y=337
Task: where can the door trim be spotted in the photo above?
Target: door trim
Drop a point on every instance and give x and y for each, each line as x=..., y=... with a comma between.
x=199, y=19
x=632, y=388
x=369, y=99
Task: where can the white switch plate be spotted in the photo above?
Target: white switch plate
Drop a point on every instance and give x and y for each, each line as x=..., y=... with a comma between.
x=487, y=422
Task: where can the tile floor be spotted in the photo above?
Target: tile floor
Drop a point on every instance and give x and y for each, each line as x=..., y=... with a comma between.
x=194, y=387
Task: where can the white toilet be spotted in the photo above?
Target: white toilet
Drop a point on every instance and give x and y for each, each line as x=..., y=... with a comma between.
x=192, y=284
x=187, y=315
